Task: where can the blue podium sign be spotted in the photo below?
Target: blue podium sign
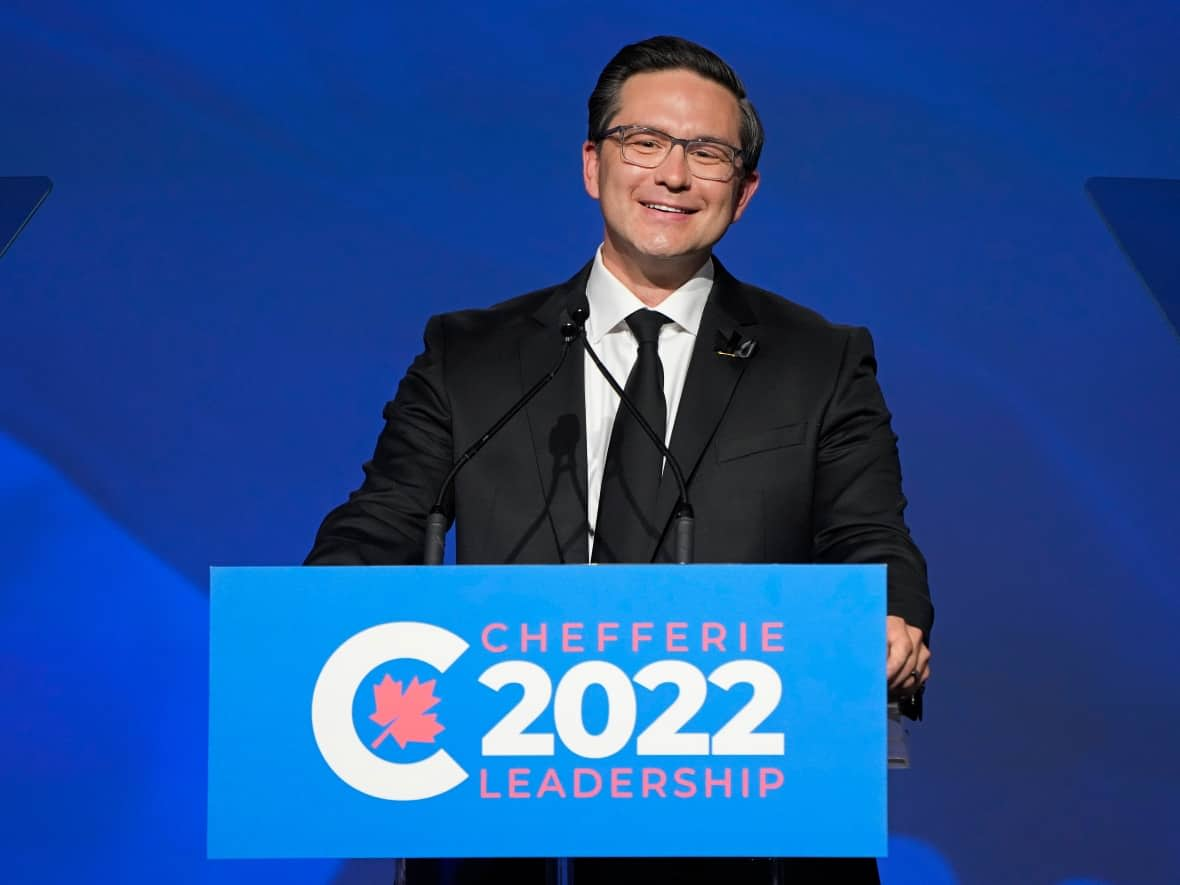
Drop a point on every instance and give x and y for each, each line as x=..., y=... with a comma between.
x=577, y=711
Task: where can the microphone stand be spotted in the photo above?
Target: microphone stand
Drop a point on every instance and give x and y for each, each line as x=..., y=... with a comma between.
x=682, y=518
x=434, y=543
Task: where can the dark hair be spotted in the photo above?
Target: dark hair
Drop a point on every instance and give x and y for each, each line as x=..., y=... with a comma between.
x=666, y=54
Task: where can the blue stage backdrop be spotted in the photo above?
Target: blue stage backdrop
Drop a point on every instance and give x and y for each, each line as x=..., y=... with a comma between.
x=258, y=205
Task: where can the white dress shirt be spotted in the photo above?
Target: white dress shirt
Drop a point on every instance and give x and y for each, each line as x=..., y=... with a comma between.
x=610, y=304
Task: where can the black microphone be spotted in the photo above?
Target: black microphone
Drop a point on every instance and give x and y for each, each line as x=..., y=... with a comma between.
x=682, y=518
x=434, y=544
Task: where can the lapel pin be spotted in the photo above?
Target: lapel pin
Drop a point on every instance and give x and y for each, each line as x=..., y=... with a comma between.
x=733, y=345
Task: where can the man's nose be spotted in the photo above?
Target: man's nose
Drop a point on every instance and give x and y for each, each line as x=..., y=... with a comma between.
x=674, y=173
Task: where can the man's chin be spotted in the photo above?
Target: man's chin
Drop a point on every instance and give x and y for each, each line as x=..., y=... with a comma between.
x=661, y=254
x=663, y=250
x=673, y=257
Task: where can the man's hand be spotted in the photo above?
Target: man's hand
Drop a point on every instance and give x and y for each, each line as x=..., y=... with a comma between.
x=907, y=664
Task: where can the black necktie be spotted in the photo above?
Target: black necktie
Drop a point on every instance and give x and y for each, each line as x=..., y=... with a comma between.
x=627, y=529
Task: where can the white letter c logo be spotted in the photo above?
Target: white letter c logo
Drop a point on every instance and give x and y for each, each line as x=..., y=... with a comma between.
x=331, y=711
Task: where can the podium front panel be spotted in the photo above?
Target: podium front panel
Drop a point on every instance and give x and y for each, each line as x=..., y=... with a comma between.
x=510, y=711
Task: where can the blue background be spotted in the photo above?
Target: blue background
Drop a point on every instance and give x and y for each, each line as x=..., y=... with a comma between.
x=258, y=205
x=272, y=795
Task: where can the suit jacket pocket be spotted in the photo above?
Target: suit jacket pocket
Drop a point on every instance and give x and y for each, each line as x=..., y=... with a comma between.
x=775, y=438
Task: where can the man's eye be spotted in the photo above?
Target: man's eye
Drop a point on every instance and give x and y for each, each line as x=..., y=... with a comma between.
x=709, y=154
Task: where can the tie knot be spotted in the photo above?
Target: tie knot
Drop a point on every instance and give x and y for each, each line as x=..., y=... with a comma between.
x=645, y=324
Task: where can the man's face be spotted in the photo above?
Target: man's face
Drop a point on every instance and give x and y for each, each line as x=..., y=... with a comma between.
x=635, y=200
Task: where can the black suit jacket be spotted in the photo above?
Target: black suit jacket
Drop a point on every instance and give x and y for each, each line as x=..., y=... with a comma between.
x=789, y=454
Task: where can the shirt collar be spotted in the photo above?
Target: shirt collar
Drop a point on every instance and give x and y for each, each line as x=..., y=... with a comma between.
x=611, y=302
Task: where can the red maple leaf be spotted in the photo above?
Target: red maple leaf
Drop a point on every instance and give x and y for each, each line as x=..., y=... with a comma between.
x=404, y=713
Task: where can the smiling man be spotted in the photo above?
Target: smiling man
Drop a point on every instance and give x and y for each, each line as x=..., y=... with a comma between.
x=669, y=172
x=774, y=413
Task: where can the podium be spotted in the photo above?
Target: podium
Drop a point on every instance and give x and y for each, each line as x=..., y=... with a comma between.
x=547, y=711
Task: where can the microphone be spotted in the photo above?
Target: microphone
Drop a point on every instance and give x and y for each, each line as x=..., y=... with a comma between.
x=434, y=544
x=682, y=517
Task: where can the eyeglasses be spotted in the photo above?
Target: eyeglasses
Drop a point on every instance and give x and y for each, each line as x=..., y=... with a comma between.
x=707, y=159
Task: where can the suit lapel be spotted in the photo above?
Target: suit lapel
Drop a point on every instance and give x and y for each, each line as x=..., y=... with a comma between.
x=557, y=419
x=709, y=385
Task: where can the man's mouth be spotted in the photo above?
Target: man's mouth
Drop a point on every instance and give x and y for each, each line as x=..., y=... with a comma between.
x=664, y=207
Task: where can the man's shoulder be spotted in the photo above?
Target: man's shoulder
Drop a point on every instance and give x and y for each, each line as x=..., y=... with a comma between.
x=776, y=312
x=497, y=316
x=520, y=312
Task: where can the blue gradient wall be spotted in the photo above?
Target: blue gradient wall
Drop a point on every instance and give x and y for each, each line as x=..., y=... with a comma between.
x=258, y=205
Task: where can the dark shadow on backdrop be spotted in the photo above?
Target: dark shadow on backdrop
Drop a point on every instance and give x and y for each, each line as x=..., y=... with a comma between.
x=20, y=197
x=1143, y=216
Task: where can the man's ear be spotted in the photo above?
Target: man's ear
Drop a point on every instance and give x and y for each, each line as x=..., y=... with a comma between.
x=590, y=161
x=746, y=188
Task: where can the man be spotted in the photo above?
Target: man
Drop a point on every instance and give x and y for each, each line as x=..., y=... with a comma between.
x=774, y=413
